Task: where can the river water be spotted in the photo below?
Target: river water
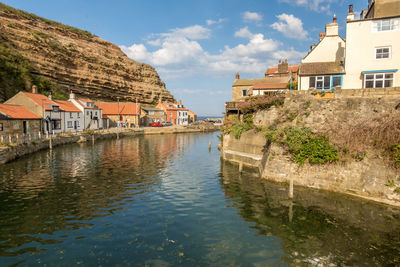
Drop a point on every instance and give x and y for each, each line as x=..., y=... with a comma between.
x=167, y=200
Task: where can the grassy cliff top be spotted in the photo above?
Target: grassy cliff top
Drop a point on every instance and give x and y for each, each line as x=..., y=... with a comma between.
x=29, y=16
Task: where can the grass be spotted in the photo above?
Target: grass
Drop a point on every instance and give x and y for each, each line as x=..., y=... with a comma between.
x=256, y=103
x=61, y=27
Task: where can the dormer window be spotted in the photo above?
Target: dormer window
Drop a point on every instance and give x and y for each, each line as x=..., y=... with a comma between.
x=56, y=108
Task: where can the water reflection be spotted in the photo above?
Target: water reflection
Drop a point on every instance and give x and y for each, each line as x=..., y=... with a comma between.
x=65, y=189
x=317, y=227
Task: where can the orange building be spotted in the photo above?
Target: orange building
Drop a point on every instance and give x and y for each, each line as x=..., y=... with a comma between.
x=177, y=114
x=126, y=113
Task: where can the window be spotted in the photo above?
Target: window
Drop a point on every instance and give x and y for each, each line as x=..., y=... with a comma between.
x=70, y=114
x=56, y=108
x=382, y=52
x=56, y=124
x=378, y=80
x=1, y=127
x=151, y=112
x=95, y=113
x=320, y=82
x=336, y=81
x=386, y=25
x=78, y=115
x=69, y=124
x=87, y=113
x=244, y=92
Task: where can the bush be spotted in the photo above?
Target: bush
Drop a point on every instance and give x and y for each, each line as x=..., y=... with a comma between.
x=303, y=145
x=238, y=129
x=262, y=102
x=395, y=154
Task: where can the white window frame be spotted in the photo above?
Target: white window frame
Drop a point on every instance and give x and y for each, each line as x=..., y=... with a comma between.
x=69, y=124
x=391, y=25
x=321, y=79
x=377, y=79
x=389, y=54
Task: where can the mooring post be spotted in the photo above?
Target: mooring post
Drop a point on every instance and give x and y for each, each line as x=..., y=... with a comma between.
x=50, y=143
x=93, y=139
x=291, y=187
x=209, y=146
x=291, y=211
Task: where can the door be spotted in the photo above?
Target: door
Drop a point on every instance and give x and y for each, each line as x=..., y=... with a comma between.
x=25, y=127
x=75, y=125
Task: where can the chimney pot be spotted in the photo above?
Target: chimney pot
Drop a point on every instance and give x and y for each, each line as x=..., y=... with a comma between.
x=34, y=89
x=50, y=96
x=237, y=76
x=334, y=18
x=351, y=10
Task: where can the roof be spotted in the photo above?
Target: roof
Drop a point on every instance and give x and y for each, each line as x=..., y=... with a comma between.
x=121, y=108
x=321, y=68
x=41, y=100
x=152, y=109
x=83, y=103
x=171, y=106
x=249, y=82
x=17, y=112
x=269, y=86
x=67, y=106
x=274, y=70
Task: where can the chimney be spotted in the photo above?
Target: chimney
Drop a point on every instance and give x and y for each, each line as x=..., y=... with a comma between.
x=332, y=29
x=180, y=102
x=350, y=15
x=283, y=66
x=237, y=76
x=50, y=96
x=34, y=89
x=71, y=95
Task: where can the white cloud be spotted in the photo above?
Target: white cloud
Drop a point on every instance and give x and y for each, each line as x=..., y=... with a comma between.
x=252, y=16
x=219, y=21
x=290, y=26
x=316, y=5
x=181, y=55
x=244, y=33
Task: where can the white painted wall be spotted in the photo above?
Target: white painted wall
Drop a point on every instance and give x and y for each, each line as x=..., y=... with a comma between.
x=73, y=117
x=330, y=49
x=361, y=42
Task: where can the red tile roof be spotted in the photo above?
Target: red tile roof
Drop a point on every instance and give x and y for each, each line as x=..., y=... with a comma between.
x=269, y=86
x=67, y=106
x=17, y=112
x=125, y=108
x=273, y=70
x=40, y=100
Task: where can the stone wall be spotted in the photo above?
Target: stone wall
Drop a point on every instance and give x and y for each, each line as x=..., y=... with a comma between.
x=367, y=178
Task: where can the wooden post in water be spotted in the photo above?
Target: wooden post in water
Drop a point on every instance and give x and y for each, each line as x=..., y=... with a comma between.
x=92, y=139
x=291, y=211
x=291, y=187
x=50, y=143
x=209, y=146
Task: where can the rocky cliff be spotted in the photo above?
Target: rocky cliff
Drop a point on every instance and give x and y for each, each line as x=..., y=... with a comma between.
x=76, y=60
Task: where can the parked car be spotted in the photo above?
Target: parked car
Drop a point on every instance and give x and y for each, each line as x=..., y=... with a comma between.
x=166, y=123
x=156, y=124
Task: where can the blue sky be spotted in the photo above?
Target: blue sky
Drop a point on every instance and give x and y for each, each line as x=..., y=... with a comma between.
x=198, y=46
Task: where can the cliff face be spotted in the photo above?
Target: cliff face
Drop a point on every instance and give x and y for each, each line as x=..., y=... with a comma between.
x=79, y=61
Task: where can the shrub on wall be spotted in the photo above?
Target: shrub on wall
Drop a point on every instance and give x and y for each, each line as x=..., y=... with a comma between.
x=257, y=103
x=303, y=145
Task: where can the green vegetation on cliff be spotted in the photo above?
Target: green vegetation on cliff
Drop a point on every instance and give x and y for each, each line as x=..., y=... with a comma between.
x=304, y=145
x=61, y=27
x=16, y=74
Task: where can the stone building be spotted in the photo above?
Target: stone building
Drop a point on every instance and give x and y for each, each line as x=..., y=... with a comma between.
x=124, y=114
x=41, y=106
x=15, y=119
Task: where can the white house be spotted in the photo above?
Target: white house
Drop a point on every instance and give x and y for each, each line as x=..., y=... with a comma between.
x=323, y=67
x=373, y=46
x=92, y=115
x=72, y=117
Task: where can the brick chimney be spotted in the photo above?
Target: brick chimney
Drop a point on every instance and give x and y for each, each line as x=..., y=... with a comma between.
x=350, y=15
x=237, y=76
x=283, y=66
x=180, y=103
x=332, y=29
x=34, y=89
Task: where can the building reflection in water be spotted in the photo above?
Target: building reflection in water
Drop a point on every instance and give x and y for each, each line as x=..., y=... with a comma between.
x=316, y=227
x=66, y=188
